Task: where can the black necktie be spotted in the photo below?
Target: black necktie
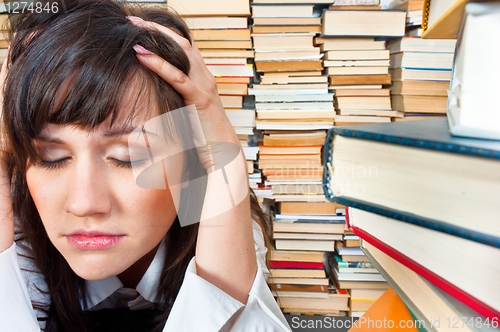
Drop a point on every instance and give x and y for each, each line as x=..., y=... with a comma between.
x=123, y=320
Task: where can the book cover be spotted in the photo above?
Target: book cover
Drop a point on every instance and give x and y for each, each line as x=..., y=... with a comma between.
x=435, y=279
x=421, y=135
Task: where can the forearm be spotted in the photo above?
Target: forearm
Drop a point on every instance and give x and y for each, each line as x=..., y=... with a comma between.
x=225, y=252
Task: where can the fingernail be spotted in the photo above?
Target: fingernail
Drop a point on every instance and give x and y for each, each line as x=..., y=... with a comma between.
x=135, y=19
x=141, y=50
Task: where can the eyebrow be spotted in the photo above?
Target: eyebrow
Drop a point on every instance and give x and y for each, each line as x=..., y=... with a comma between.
x=113, y=132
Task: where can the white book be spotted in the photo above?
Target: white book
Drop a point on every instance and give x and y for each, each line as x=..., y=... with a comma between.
x=473, y=100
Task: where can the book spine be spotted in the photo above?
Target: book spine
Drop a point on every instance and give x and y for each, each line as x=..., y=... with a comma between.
x=361, y=265
x=425, y=15
x=295, y=265
x=440, y=282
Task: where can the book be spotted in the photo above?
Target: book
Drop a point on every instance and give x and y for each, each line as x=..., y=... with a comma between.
x=290, y=290
x=310, y=245
x=476, y=287
x=410, y=44
x=306, y=236
x=231, y=71
x=359, y=79
x=218, y=44
x=285, y=28
x=297, y=273
x=337, y=300
x=216, y=22
x=357, y=70
x=363, y=23
x=420, y=88
x=309, y=227
x=357, y=55
x=293, y=54
x=300, y=124
x=295, y=265
x=373, y=103
x=398, y=164
x=221, y=34
x=293, y=1
x=283, y=41
x=362, y=92
x=399, y=74
x=282, y=11
x=293, y=79
x=441, y=19
x=346, y=44
x=308, y=208
x=419, y=104
x=300, y=65
x=226, y=53
x=286, y=21
x=368, y=113
x=305, y=139
x=299, y=281
x=210, y=8
x=296, y=256
x=389, y=307
x=422, y=60
x=471, y=104
x=361, y=3
x=431, y=305
x=356, y=63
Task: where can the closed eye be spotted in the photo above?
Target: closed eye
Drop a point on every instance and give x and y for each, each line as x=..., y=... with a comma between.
x=52, y=164
x=127, y=163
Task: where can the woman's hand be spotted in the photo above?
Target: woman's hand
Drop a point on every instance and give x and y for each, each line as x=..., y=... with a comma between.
x=6, y=216
x=225, y=253
x=199, y=88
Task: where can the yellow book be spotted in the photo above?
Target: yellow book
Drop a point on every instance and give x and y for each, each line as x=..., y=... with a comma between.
x=441, y=19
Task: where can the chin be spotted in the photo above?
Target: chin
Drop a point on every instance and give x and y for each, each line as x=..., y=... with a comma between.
x=90, y=267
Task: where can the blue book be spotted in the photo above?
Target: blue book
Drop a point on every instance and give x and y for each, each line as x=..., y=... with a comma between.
x=416, y=172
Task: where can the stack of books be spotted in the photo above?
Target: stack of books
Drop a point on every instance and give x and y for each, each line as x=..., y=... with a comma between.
x=221, y=33
x=302, y=232
x=4, y=29
x=294, y=108
x=414, y=11
x=430, y=204
x=350, y=269
x=421, y=73
x=357, y=65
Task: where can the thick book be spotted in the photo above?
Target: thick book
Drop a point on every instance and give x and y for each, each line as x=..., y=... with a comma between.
x=418, y=173
x=210, y=8
x=473, y=101
x=432, y=306
x=441, y=19
x=439, y=258
x=364, y=23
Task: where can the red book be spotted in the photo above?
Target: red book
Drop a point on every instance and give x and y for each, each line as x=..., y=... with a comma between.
x=440, y=282
x=295, y=265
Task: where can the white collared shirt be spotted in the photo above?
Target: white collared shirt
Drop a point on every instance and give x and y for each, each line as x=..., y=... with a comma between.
x=199, y=306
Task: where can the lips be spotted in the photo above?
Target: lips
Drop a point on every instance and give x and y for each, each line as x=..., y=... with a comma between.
x=93, y=240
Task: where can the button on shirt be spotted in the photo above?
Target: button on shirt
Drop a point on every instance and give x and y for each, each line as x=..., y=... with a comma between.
x=199, y=306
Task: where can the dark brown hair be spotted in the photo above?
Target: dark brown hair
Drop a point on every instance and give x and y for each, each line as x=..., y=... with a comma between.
x=88, y=44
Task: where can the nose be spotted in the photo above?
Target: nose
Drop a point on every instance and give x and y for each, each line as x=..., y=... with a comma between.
x=88, y=192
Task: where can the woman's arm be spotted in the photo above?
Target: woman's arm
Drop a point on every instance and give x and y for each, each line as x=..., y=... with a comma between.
x=225, y=254
x=6, y=216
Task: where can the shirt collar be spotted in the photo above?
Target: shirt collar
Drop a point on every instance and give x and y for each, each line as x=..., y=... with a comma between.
x=101, y=290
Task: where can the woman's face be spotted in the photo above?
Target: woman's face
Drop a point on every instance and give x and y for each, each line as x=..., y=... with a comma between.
x=88, y=200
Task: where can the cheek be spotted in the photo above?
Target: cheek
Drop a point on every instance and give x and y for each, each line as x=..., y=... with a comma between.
x=42, y=190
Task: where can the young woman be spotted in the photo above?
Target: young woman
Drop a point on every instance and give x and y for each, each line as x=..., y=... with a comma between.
x=93, y=250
